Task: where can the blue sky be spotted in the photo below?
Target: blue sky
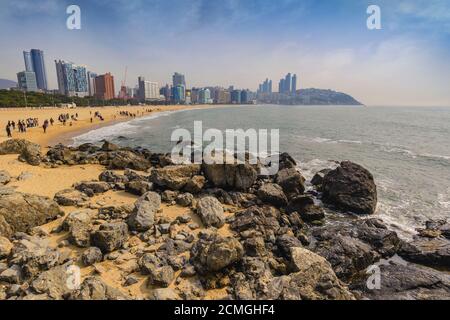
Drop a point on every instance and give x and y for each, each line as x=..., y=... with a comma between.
x=241, y=42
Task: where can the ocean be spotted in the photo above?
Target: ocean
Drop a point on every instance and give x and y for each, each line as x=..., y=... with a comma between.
x=406, y=149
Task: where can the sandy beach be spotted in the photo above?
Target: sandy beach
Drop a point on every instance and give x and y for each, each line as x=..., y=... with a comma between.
x=58, y=133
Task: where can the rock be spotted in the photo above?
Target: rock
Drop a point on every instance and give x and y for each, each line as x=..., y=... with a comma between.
x=117, y=211
x=54, y=283
x=29, y=152
x=79, y=216
x=111, y=236
x=174, y=177
x=351, y=247
x=143, y=216
x=164, y=294
x=405, y=282
x=215, y=253
x=138, y=187
x=92, y=187
x=291, y=181
x=185, y=199
x=5, y=177
x=70, y=197
x=78, y=223
x=169, y=196
x=161, y=277
x=258, y=219
x=210, y=211
x=5, y=247
x=12, y=275
x=22, y=212
x=350, y=187
x=286, y=161
x=230, y=176
x=108, y=146
x=305, y=207
x=34, y=255
x=313, y=279
x=195, y=184
x=272, y=194
x=148, y=263
x=285, y=243
x=124, y=159
x=430, y=252
x=91, y=256
x=112, y=177
x=93, y=288
x=317, y=180
x=312, y=213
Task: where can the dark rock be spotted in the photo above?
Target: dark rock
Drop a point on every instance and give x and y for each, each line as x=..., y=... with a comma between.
x=286, y=242
x=312, y=213
x=169, y=196
x=195, y=185
x=185, y=199
x=210, y=211
x=108, y=146
x=93, y=288
x=92, y=187
x=272, y=194
x=350, y=187
x=291, y=181
x=91, y=256
x=124, y=159
x=143, y=216
x=317, y=180
x=110, y=236
x=12, y=275
x=112, y=177
x=430, y=252
x=405, y=282
x=138, y=187
x=161, y=277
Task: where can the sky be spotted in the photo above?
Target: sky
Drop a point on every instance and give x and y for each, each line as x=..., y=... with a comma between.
x=242, y=42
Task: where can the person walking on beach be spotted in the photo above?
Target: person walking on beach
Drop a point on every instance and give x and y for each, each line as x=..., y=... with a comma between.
x=51, y=121
x=45, y=125
x=8, y=131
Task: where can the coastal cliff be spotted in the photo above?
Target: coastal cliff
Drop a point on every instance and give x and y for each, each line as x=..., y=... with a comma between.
x=142, y=227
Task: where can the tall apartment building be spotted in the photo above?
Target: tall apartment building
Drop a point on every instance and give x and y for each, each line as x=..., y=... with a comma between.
x=26, y=80
x=148, y=90
x=104, y=87
x=72, y=79
x=91, y=83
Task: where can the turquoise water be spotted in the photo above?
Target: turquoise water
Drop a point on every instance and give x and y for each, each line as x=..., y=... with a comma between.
x=407, y=149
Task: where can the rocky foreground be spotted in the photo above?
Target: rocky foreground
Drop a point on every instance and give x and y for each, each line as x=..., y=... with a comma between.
x=244, y=236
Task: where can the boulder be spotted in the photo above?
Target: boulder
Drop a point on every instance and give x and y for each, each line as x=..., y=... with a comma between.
x=317, y=180
x=161, y=277
x=195, y=185
x=31, y=154
x=174, y=177
x=185, y=199
x=350, y=187
x=110, y=236
x=53, y=282
x=92, y=187
x=291, y=181
x=215, y=253
x=91, y=256
x=400, y=281
x=112, y=177
x=21, y=212
x=94, y=288
x=210, y=211
x=12, y=275
x=125, y=159
x=143, y=216
x=108, y=146
x=5, y=177
x=231, y=176
x=272, y=193
x=70, y=197
x=28, y=151
x=138, y=187
x=5, y=247
x=430, y=252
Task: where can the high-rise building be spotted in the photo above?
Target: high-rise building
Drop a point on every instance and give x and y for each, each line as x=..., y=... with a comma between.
x=288, y=83
x=281, y=86
x=294, y=84
x=26, y=80
x=28, y=61
x=236, y=96
x=148, y=90
x=38, y=63
x=72, y=79
x=179, y=94
x=178, y=79
x=91, y=83
x=204, y=96
x=104, y=87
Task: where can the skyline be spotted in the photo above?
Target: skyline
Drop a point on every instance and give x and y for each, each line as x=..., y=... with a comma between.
x=230, y=43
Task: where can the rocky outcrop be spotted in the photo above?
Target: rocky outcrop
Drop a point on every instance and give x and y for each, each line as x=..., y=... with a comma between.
x=28, y=151
x=21, y=212
x=430, y=252
x=143, y=216
x=350, y=187
x=210, y=211
x=291, y=181
x=174, y=177
x=272, y=193
x=124, y=159
x=70, y=197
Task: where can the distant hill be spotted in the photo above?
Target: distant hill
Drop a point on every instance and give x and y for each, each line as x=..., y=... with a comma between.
x=324, y=97
x=6, y=84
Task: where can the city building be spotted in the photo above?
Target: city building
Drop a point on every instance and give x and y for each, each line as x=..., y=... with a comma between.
x=288, y=85
x=91, y=83
x=204, y=96
x=104, y=87
x=236, y=96
x=26, y=80
x=72, y=79
x=34, y=62
x=178, y=94
x=148, y=90
x=294, y=84
x=178, y=79
x=265, y=87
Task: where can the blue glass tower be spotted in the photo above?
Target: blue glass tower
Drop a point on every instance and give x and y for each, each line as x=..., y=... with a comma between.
x=37, y=58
